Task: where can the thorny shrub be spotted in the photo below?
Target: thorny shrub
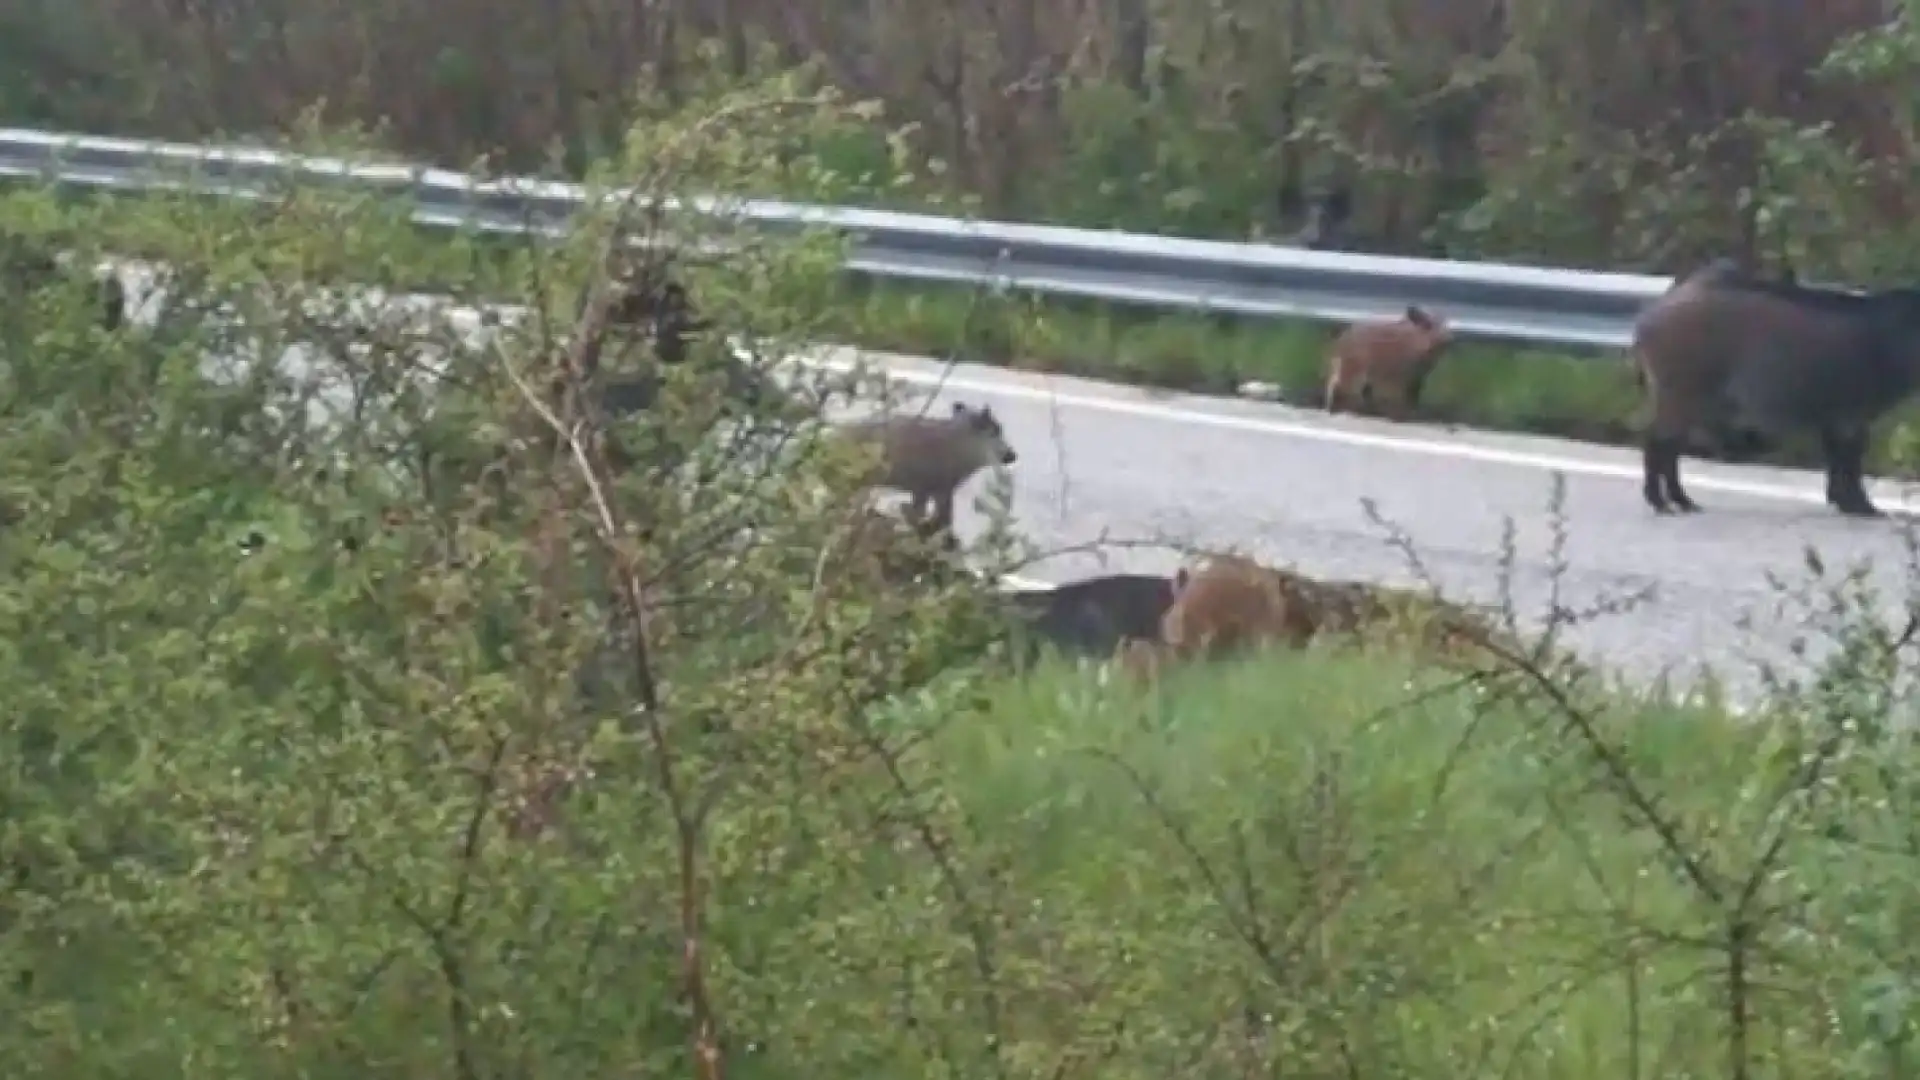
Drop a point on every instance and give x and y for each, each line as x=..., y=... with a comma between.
x=370, y=718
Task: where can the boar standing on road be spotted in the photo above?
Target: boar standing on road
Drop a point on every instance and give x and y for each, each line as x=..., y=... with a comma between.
x=1732, y=352
x=929, y=457
x=1386, y=363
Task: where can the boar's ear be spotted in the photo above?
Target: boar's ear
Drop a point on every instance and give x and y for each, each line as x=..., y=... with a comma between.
x=1180, y=579
x=1418, y=317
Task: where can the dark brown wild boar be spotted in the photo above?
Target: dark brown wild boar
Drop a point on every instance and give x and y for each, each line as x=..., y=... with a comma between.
x=1233, y=604
x=1386, y=363
x=1727, y=351
x=929, y=457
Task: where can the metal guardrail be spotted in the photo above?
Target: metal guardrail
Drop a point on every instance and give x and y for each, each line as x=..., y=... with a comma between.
x=1566, y=309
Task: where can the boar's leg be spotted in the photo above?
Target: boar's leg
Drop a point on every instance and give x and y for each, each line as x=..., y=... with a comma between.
x=1651, y=486
x=916, y=514
x=1336, y=384
x=943, y=521
x=1845, y=448
x=1675, y=414
x=1660, y=461
x=1369, y=400
x=1416, y=386
x=1674, y=491
x=931, y=516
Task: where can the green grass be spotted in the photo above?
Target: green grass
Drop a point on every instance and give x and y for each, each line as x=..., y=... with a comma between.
x=1522, y=390
x=1461, y=898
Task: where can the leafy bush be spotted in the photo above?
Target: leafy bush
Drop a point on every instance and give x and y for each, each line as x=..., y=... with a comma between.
x=371, y=719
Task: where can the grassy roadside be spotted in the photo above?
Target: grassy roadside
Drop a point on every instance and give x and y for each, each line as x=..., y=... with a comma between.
x=1412, y=885
x=1319, y=859
x=1520, y=391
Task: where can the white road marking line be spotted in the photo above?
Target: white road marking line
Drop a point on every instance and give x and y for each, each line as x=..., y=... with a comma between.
x=1704, y=481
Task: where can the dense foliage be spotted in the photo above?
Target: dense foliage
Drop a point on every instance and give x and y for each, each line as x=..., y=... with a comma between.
x=1648, y=134
x=373, y=713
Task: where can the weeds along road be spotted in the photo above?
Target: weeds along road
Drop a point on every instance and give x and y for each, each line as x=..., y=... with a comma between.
x=1100, y=460
x=1289, y=484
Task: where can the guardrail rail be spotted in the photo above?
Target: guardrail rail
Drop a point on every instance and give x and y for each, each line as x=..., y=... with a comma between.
x=1572, y=310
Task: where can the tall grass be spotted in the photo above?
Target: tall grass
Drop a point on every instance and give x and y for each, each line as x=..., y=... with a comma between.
x=1335, y=865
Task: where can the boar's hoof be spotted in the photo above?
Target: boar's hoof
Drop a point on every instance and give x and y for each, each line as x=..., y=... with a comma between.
x=1858, y=507
x=1679, y=503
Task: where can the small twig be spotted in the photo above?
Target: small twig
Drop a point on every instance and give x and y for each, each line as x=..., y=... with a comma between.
x=582, y=355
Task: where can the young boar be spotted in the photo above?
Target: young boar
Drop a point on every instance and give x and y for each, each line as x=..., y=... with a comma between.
x=1234, y=604
x=1231, y=604
x=629, y=393
x=1386, y=363
x=929, y=457
x=1725, y=351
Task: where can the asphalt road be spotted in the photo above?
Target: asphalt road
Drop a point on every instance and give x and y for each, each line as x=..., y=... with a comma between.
x=1288, y=485
x=1103, y=461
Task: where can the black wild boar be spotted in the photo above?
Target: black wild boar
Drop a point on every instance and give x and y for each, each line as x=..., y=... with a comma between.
x=629, y=393
x=1094, y=616
x=1729, y=351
